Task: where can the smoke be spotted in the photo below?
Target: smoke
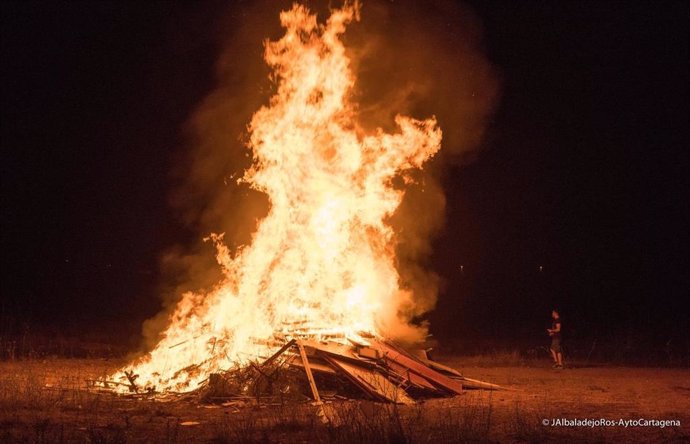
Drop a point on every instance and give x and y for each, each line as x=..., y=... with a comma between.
x=206, y=195
x=422, y=59
x=410, y=58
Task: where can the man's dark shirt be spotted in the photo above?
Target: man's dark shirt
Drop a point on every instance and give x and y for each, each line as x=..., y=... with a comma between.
x=557, y=334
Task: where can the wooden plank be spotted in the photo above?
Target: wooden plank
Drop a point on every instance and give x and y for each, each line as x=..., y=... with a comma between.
x=339, y=351
x=356, y=381
x=307, y=370
x=442, y=368
x=369, y=353
x=411, y=377
x=480, y=385
x=371, y=381
x=401, y=350
x=279, y=352
x=321, y=414
x=315, y=367
x=417, y=367
x=332, y=348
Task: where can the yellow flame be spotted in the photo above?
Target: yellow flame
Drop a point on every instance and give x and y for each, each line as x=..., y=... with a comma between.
x=322, y=262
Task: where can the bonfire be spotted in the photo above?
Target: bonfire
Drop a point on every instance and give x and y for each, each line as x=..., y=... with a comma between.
x=317, y=287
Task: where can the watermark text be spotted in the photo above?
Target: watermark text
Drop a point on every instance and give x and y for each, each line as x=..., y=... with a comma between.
x=605, y=422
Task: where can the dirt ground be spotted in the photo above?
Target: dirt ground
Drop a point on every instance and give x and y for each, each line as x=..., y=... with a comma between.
x=45, y=401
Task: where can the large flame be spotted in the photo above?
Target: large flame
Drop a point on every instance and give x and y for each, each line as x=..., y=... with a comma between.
x=322, y=262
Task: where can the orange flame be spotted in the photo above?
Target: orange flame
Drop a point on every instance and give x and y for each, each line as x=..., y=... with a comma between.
x=322, y=262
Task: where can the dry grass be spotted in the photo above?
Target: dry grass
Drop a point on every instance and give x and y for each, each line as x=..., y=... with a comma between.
x=46, y=401
x=360, y=422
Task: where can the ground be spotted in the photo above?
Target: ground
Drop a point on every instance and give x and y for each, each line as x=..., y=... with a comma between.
x=46, y=401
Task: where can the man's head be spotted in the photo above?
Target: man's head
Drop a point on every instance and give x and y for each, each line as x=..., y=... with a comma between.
x=555, y=314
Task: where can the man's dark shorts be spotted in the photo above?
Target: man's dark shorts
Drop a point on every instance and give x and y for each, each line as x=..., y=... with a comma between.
x=556, y=344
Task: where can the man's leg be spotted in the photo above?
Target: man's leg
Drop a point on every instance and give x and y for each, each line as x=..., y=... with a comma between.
x=556, y=346
x=556, y=352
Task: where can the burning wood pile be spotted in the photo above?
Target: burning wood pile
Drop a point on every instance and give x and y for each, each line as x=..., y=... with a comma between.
x=327, y=370
x=321, y=266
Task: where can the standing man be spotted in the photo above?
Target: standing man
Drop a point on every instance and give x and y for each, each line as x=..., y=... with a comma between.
x=555, y=333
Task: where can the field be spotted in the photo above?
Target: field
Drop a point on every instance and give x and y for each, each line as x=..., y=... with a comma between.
x=45, y=401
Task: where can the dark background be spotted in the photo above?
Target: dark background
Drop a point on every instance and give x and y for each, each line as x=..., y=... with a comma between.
x=578, y=198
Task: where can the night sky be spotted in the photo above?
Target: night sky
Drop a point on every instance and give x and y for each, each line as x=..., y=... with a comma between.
x=583, y=170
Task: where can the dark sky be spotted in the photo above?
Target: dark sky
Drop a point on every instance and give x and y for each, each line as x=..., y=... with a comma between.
x=583, y=172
